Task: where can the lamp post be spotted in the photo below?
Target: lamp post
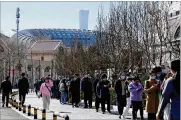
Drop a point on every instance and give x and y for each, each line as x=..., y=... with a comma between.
x=17, y=30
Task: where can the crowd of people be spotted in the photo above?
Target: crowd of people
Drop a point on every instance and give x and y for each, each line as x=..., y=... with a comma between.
x=162, y=91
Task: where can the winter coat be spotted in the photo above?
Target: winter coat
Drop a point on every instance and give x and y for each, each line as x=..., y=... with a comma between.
x=103, y=92
x=152, y=100
x=6, y=86
x=121, y=99
x=86, y=85
x=23, y=86
x=95, y=85
x=134, y=94
x=74, y=88
x=62, y=87
x=46, y=91
x=169, y=95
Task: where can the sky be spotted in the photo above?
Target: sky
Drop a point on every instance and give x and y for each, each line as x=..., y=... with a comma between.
x=48, y=15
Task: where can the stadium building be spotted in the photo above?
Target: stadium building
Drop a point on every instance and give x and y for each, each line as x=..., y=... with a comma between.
x=87, y=37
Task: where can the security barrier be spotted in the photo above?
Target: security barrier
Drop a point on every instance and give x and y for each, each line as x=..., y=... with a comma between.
x=54, y=117
x=43, y=114
x=22, y=108
x=35, y=113
x=29, y=110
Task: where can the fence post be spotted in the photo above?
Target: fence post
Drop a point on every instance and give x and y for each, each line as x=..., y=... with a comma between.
x=54, y=116
x=13, y=103
x=35, y=113
x=16, y=105
x=44, y=114
x=19, y=106
x=29, y=110
x=24, y=108
x=66, y=117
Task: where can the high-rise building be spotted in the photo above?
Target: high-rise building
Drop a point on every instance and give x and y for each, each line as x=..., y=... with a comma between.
x=83, y=19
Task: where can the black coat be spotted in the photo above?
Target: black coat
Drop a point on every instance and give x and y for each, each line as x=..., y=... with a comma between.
x=23, y=86
x=102, y=91
x=86, y=85
x=6, y=87
x=121, y=99
x=75, y=88
x=95, y=85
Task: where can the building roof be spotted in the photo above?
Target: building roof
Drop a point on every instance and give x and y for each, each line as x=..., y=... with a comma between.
x=87, y=37
x=45, y=46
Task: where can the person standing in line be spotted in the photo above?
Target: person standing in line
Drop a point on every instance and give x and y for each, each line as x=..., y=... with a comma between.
x=75, y=90
x=152, y=101
x=136, y=90
x=6, y=89
x=63, y=91
x=45, y=91
x=171, y=93
x=97, y=99
x=23, y=86
x=86, y=88
x=128, y=81
x=104, y=93
x=120, y=90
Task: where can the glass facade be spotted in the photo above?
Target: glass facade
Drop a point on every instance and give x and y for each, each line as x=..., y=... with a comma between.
x=87, y=37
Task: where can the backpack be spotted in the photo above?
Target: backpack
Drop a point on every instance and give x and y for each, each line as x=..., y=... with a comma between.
x=62, y=87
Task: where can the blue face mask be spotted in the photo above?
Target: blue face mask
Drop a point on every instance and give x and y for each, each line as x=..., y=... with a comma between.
x=158, y=75
x=123, y=77
x=164, y=71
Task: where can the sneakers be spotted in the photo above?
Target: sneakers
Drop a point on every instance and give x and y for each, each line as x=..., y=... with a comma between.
x=120, y=117
x=96, y=110
x=3, y=105
x=103, y=112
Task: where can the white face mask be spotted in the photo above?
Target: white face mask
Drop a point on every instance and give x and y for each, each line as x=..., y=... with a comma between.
x=105, y=79
x=152, y=77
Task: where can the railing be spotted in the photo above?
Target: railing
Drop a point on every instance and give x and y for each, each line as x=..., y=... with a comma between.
x=23, y=108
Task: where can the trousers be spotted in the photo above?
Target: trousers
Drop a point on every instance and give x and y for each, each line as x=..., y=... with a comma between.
x=63, y=97
x=22, y=98
x=151, y=116
x=46, y=102
x=5, y=95
x=97, y=102
x=103, y=101
x=87, y=97
x=137, y=105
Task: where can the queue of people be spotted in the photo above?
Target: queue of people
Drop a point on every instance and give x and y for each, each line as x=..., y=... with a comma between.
x=162, y=91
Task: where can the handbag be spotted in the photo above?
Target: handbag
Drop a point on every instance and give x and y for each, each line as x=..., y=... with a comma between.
x=48, y=90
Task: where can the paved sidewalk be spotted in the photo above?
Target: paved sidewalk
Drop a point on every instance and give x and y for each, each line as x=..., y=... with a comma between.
x=74, y=113
x=9, y=114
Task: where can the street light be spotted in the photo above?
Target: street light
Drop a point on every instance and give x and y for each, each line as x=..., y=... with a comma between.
x=17, y=23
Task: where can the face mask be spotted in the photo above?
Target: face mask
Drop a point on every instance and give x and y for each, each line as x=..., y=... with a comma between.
x=164, y=71
x=153, y=77
x=104, y=79
x=158, y=75
x=123, y=77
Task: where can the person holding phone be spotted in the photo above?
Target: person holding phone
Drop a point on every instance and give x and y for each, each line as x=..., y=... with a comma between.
x=136, y=90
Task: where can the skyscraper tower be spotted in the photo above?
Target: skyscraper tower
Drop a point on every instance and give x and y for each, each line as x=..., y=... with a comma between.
x=83, y=19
